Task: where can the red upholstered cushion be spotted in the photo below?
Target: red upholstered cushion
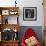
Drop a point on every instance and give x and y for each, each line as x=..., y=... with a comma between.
x=29, y=33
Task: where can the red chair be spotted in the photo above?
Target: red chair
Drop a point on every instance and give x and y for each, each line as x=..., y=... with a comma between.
x=29, y=33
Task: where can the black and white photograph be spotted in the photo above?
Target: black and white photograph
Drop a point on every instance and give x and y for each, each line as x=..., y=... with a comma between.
x=29, y=13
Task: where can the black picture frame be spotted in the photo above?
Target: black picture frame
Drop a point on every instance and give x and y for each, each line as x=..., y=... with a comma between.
x=29, y=13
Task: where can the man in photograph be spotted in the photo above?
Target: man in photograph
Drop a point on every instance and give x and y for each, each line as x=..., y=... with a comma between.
x=29, y=13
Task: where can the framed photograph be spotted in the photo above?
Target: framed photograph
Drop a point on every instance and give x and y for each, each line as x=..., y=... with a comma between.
x=5, y=12
x=29, y=13
x=10, y=20
x=13, y=12
x=13, y=20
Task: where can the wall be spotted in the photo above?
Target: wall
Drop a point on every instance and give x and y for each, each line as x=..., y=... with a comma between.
x=26, y=3
x=34, y=3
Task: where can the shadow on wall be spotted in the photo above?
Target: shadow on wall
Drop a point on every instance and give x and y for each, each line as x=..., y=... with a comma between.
x=37, y=29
